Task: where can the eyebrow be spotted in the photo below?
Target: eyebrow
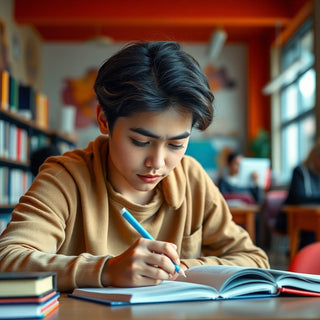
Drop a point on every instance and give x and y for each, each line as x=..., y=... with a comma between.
x=149, y=134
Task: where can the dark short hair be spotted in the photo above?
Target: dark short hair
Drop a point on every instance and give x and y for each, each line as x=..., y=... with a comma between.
x=232, y=156
x=153, y=76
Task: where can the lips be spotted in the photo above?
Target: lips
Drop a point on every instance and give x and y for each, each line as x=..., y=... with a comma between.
x=148, y=178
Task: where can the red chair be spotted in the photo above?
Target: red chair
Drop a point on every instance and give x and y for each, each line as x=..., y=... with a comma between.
x=307, y=260
x=269, y=236
x=273, y=202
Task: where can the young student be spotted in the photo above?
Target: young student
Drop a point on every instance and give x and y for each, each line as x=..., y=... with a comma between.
x=304, y=188
x=151, y=95
x=230, y=187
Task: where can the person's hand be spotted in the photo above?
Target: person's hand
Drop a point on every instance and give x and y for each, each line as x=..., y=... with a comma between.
x=146, y=262
x=255, y=177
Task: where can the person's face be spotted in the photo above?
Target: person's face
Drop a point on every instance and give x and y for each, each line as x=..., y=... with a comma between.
x=235, y=165
x=144, y=148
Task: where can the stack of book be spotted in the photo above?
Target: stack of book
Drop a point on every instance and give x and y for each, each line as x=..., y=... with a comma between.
x=27, y=294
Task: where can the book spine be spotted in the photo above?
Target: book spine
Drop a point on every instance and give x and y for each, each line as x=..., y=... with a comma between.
x=13, y=184
x=13, y=94
x=4, y=90
x=2, y=137
x=4, y=220
x=19, y=145
x=26, y=102
x=42, y=110
x=2, y=185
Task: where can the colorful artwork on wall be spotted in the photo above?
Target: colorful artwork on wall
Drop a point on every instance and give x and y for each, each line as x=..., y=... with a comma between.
x=79, y=92
x=218, y=78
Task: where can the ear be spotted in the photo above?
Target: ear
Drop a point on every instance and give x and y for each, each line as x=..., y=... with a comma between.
x=102, y=120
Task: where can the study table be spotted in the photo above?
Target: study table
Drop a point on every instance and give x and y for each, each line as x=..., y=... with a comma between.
x=301, y=217
x=264, y=308
x=244, y=215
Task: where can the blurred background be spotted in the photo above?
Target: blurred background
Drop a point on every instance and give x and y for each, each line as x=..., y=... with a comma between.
x=261, y=58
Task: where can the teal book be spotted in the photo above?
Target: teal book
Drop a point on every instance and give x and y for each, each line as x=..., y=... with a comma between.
x=29, y=308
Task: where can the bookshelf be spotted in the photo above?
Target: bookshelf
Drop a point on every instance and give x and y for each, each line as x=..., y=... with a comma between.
x=18, y=138
x=23, y=129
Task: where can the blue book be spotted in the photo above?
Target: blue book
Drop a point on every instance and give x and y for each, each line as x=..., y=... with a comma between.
x=29, y=308
x=27, y=101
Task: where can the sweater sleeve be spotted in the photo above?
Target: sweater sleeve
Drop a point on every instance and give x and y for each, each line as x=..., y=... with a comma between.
x=39, y=234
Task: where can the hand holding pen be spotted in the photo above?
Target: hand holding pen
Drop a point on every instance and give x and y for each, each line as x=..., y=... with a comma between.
x=144, y=233
x=146, y=262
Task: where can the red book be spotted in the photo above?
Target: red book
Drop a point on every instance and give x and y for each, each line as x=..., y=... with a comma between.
x=291, y=291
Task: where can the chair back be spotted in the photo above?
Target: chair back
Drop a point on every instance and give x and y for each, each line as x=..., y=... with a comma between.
x=307, y=260
x=238, y=197
x=272, y=204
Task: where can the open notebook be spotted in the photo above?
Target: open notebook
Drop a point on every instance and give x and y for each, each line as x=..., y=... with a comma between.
x=210, y=283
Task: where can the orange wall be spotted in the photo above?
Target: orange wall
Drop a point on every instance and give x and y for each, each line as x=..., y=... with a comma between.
x=258, y=76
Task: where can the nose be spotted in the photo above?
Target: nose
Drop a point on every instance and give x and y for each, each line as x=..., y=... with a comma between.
x=156, y=159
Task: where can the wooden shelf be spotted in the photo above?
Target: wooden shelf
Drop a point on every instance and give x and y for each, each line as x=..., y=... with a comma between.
x=14, y=164
x=21, y=122
x=5, y=208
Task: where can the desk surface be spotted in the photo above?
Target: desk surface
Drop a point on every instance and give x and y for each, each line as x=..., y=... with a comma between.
x=244, y=215
x=272, y=308
x=304, y=208
x=301, y=217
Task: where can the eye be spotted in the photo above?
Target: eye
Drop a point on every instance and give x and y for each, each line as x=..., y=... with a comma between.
x=176, y=146
x=139, y=143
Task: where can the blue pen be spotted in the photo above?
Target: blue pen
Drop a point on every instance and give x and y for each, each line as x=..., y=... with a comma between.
x=144, y=233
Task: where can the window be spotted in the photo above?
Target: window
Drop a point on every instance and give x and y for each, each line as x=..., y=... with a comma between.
x=297, y=101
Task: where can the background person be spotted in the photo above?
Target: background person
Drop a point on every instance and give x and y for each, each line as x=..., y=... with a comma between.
x=231, y=187
x=304, y=188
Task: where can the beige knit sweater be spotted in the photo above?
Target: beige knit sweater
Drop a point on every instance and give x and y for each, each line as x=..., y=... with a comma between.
x=69, y=220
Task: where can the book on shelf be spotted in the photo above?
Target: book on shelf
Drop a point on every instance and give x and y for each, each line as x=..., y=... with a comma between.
x=4, y=89
x=209, y=283
x=14, y=183
x=23, y=100
x=42, y=110
x=5, y=217
x=22, y=308
x=27, y=102
x=13, y=94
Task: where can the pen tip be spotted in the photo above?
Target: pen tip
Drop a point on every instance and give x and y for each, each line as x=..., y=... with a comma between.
x=182, y=273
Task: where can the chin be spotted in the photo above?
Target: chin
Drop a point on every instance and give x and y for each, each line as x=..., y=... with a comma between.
x=146, y=187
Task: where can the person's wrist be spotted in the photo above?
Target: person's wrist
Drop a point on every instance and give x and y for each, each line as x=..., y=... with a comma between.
x=105, y=276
